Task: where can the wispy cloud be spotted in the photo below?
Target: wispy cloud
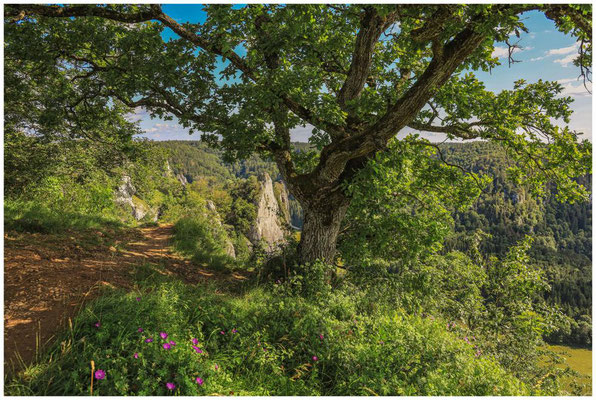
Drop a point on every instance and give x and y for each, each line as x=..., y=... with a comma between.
x=562, y=50
x=500, y=52
x=575, y=87
x=570, y=53
x=537, y=58
x=567, y=60
x=138, y=114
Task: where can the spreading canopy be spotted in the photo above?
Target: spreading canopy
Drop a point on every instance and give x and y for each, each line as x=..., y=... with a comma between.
x=358, y=74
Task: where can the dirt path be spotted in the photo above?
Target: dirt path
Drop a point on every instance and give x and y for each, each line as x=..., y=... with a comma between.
x=47, y=278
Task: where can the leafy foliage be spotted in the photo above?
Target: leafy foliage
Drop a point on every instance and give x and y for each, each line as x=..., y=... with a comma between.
x=402, y=203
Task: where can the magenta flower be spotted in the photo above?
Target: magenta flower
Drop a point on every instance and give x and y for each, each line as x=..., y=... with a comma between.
x=170, y=386
x=199, y=380
x=140, y=330
x=148, y=340
x=321, y=336
x=100, y=374
x=234, y=330
x=138, y=299
x=172, y=343
x=195, y=341
x=315, y=358
x=222, y=332
x=216, y=367
x=163, y=335
x=136, y=355
x=197, y=349
x=97, y=324
x=166, y=346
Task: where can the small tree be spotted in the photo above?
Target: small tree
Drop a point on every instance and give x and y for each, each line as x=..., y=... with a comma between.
x=359, y=74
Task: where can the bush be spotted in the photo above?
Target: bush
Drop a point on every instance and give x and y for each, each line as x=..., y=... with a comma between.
x=202, y=240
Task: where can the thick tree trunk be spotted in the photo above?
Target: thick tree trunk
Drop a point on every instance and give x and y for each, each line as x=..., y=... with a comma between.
x=318, y=239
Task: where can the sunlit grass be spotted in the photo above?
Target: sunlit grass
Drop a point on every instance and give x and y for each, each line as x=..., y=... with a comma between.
x=262, y=341
x=580, y=360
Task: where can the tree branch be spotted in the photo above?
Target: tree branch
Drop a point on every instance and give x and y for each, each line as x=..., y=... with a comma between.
x=460, y=131
x=155, y=13
x=22, y=10
x=372, y=26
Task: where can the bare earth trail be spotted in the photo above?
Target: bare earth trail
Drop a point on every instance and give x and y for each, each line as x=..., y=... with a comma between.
x=47, y=278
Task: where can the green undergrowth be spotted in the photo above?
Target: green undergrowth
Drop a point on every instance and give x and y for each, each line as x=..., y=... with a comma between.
x=29, y=216
x=265, y=340
x=202, y=240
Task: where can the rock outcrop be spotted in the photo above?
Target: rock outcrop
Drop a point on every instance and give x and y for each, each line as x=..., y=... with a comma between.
x=125, y=196
x=268, y=226
x=182, y=179
x=169, y=173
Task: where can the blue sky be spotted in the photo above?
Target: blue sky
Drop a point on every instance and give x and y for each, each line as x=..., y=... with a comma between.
x=545, y=53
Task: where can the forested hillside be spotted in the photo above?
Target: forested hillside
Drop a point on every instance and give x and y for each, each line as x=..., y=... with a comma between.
x=562, y=231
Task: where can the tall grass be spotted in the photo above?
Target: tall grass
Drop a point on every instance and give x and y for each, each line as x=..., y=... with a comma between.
x=30, y=216
x=262, y=341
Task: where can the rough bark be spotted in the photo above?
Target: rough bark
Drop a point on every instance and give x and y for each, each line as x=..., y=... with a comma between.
x=322, y=222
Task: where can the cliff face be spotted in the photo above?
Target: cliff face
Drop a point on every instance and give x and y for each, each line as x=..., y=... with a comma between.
x=269, y=225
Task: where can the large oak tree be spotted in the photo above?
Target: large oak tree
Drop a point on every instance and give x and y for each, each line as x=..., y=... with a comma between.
x=358, y=74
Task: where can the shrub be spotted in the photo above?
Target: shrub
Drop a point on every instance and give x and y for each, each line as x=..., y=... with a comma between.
x=202, y=240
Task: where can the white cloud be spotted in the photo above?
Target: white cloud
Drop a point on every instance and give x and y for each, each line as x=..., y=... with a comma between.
x=567, y=80
x=537, y=58
x=158, y=125
x=575, y=88
x=563, y=50
x=566, y=61
x=499, y=52
x=139, y=113
x=570, y=52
